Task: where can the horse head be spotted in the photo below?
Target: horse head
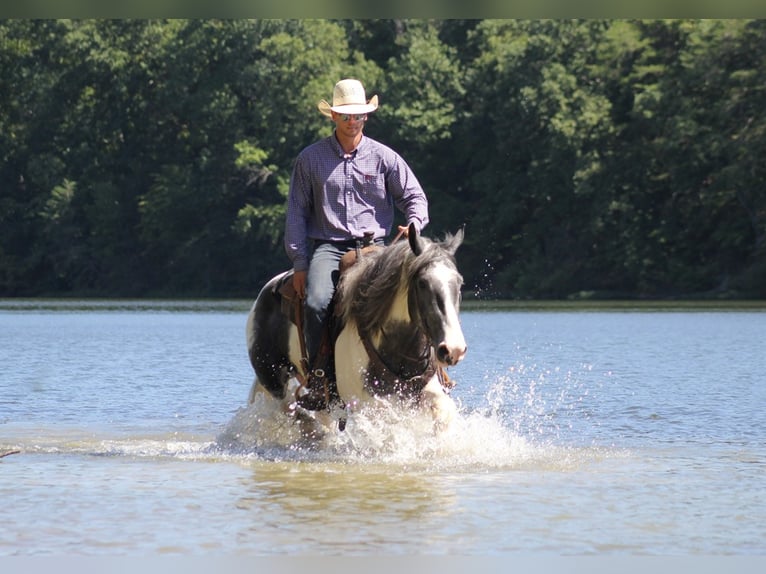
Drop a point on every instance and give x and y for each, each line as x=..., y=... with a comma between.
x=434, y=294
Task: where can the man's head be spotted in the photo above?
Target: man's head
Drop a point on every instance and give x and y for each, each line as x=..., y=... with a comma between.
x=349, y=100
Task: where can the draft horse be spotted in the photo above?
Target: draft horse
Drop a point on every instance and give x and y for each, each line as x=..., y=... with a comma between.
x=398, y=328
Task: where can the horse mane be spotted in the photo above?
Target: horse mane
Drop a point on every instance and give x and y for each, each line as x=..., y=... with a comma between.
x=368, y=289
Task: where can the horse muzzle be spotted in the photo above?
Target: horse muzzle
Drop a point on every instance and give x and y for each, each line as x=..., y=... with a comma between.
x=450, y=355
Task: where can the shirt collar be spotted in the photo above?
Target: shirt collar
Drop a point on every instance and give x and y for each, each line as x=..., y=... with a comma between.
x=339, y=150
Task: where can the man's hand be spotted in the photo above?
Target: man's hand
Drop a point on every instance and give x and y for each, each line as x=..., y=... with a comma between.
x=299, y=283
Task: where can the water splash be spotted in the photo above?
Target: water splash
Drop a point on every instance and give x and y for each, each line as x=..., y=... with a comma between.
x=517, y=419
x=484, y=288
x=489, y=437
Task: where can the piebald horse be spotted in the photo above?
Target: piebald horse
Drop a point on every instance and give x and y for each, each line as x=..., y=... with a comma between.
x=397, y=309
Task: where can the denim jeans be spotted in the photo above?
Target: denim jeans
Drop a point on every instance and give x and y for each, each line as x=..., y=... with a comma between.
x=321, y=282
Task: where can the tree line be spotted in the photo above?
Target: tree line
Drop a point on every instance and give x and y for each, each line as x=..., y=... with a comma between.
x=585, y=158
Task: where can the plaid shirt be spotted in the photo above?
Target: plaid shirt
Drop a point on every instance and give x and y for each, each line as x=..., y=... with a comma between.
x=336, y=196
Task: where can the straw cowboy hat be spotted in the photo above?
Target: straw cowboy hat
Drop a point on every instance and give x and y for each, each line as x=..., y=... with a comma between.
x=348, y=98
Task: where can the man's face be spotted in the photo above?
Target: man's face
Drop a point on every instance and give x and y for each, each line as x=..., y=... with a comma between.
x=349, y=125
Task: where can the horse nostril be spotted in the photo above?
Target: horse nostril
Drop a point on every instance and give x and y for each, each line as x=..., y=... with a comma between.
x=450, y=357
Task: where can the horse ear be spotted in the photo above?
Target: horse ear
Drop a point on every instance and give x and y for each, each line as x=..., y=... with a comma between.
x=452, y=242
x=413, y=236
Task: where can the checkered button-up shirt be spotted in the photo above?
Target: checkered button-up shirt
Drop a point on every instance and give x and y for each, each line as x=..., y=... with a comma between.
x=336, y=196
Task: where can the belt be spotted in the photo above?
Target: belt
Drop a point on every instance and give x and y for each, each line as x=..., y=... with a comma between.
x=348, y=244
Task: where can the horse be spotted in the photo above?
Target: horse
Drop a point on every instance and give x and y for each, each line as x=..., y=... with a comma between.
x=398, y=329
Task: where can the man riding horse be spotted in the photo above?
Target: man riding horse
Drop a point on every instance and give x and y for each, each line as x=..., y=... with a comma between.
x=343, y=191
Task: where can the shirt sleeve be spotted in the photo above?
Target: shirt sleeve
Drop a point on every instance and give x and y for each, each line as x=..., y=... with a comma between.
x=299, y=205
x=407, y=193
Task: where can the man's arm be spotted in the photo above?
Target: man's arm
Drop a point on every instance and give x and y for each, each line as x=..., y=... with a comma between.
x=296, y=220
x=408, y=194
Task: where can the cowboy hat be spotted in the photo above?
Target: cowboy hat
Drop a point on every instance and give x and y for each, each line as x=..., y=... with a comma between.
x=348, y=98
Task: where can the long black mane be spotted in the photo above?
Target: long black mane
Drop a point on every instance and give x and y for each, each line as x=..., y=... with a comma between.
x=368, y=289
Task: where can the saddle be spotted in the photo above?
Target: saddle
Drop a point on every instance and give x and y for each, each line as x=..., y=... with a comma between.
x=317, y=390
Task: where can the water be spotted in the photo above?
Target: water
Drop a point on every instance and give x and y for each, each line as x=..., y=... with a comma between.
x=607, y=432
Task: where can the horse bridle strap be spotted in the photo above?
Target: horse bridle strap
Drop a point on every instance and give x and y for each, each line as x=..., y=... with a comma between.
x=392, y=379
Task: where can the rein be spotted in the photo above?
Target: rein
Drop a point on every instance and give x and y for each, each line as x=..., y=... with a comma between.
x=385, y=375
x=398, y=236
x=388, y=377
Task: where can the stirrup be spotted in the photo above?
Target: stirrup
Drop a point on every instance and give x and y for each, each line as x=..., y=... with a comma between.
x=315, y=391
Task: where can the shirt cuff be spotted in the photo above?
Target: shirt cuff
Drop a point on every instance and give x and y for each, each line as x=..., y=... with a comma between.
x=300, y=264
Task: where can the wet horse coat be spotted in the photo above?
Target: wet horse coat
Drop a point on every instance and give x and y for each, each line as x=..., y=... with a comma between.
x=398, y=309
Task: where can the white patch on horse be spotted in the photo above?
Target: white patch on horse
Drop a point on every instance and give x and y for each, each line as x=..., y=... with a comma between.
x=453, y=332
x=442, y=407
x=350, y=364
x=399, y=309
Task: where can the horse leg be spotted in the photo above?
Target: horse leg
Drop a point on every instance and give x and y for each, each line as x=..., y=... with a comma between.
x=256, y=389
x=441, y=405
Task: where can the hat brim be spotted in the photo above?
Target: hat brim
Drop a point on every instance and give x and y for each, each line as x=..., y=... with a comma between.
x=326, y=109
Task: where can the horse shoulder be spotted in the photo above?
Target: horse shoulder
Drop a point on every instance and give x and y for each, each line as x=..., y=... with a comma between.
x=350, y=364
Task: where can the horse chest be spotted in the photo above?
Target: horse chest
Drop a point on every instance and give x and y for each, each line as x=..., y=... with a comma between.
x=380, y=381
x=396, y=368
x=398, y=363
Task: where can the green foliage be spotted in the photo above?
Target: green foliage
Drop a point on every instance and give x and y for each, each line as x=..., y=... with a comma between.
x=614, y=157
x=424, y=87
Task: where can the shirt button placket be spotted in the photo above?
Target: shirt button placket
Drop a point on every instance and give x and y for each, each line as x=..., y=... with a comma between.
x=349, y=172
x=349, y=175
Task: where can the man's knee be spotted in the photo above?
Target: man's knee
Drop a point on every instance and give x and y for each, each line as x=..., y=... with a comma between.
x=317, y=302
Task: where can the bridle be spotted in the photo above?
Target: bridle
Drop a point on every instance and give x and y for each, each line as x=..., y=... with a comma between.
x=382, y=375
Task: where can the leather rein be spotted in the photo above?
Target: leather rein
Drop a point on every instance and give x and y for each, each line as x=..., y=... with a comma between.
x=389, y=379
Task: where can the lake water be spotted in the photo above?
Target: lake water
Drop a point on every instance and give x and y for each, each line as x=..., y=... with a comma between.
x=581, y=432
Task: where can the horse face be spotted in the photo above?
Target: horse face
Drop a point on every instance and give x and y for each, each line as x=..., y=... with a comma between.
x=435, y=299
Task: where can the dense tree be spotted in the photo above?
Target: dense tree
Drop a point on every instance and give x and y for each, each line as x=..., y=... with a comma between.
x=539, y=116
x=603, y=157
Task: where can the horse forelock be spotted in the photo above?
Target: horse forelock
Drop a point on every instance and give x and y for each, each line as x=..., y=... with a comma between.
x=369, y=288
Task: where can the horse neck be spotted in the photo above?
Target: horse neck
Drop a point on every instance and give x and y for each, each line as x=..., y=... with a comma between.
x=397, y=317
x=399, y=342
x=374, y=292
x=400, y=311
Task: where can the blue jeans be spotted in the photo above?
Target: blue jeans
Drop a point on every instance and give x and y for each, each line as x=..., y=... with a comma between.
x=321, y=282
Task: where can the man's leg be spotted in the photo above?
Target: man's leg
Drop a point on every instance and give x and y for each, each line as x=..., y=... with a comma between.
x=320, y=287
